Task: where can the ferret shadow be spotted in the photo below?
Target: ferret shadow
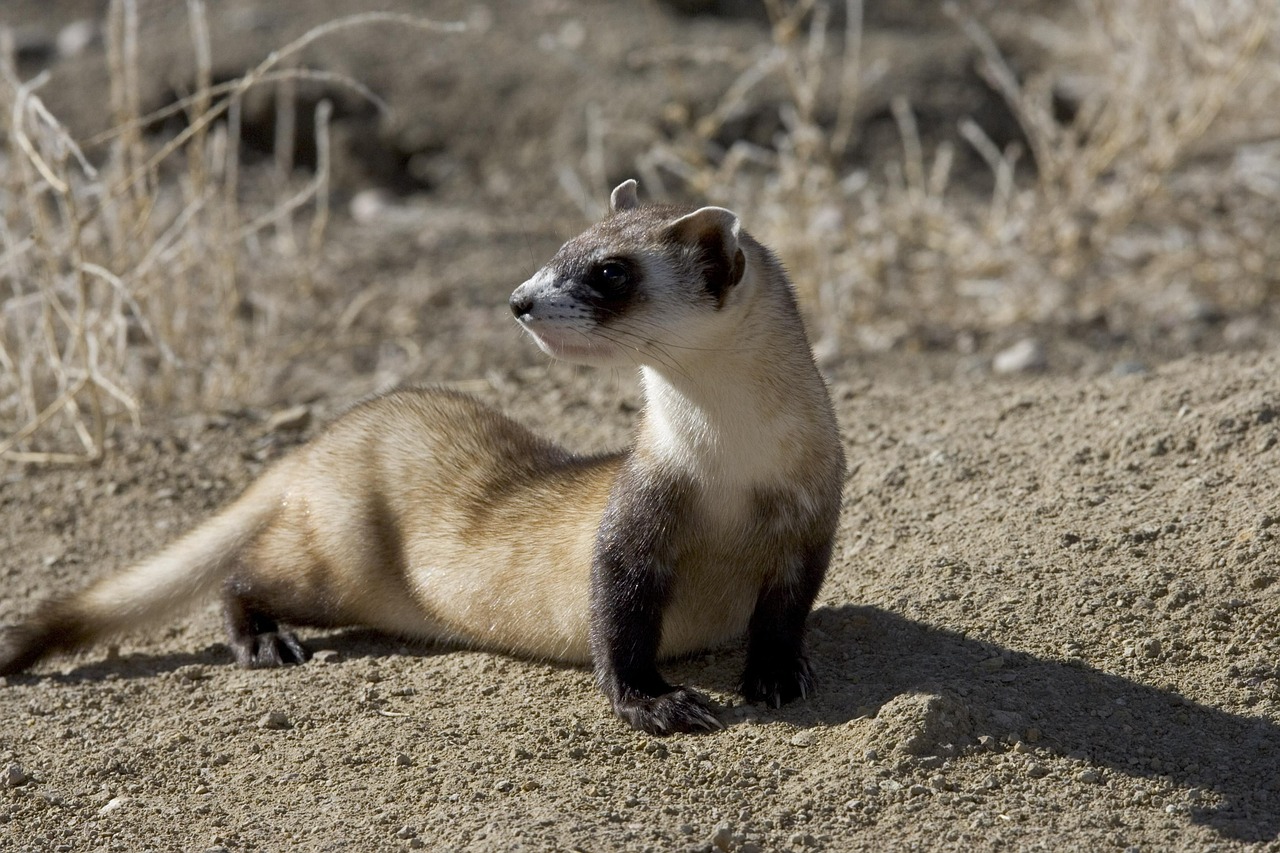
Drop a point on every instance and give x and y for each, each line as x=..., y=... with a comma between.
x=865, y=657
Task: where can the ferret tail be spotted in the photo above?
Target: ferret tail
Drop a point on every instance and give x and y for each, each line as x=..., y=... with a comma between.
x=182, y=572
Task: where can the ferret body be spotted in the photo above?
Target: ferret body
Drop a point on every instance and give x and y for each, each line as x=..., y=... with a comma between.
x=426, y=514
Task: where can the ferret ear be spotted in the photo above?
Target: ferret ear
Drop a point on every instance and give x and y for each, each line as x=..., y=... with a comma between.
x=624, y=196
x=713, y=232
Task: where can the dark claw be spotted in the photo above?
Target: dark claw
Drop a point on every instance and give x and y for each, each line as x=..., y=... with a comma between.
x=776, y=684
x=680, y=710
x=270, y=649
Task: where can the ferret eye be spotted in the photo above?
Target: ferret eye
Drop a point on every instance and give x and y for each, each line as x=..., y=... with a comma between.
x=611, y=278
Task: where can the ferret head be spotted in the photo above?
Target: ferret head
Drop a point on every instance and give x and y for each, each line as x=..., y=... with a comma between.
x=647, y=285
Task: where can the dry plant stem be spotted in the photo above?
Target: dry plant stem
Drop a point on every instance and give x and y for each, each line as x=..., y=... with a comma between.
x=286, y=116
x=324, y=112
x=201, y=100
x=850, y=80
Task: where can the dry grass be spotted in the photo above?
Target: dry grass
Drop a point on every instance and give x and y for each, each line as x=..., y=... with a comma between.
x=121, y=289
x=1103, y=221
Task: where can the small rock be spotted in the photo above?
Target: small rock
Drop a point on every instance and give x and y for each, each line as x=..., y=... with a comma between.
x=1026, y=356
x=193, y=672
x=722, y=837
x=274, y=720
x=406, y=832
x=292, y=419
x=112, y=804
x=503, y=785
x=1037, y=771
x=371, y=204
x=327, y=656
x=804, y=738
x=1151, y=647
x=15, y=776
x=75, y=37
x=403, y=760
x=1088, y=775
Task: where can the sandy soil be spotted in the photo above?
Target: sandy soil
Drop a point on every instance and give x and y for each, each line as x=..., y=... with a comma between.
x=1052, y=620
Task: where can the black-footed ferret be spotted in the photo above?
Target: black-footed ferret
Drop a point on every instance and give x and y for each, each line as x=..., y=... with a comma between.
x=425, y=514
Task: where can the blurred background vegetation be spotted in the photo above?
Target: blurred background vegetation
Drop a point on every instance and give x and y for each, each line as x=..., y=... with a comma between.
x=239, y=203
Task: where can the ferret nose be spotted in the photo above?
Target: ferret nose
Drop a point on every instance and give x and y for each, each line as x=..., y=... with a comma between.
x=521, y=303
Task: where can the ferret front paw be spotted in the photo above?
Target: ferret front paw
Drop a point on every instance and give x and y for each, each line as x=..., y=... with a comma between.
x=270, y=649
x=776, y=682
x=680, y=710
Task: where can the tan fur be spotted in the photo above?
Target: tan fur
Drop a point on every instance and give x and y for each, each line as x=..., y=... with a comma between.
x=429, y=515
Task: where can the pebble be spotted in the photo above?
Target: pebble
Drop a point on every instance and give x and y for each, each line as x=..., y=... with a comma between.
x=1089, y=775
x=1026, y=356
x=370, y=205
x=503, y=785
x=722, y=837
x=274, y=720
x=327, y=656
x=112, y=804
x=75, y=37
x=406, y=832
x=15, y=776
x=403, y=760
x=1037, y=771
x=804, y=738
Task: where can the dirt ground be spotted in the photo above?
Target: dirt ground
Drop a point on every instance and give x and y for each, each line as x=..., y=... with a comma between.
x=1052, y=620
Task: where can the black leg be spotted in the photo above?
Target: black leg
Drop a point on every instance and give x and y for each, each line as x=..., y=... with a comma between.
x=256, y=638
x=630, y=583
x=777, y=669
